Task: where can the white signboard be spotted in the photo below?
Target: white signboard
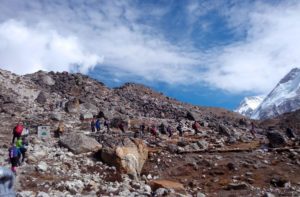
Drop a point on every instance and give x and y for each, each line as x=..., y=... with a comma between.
x=43, y=132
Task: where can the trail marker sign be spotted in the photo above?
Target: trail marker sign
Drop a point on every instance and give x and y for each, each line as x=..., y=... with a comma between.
x=44, y=132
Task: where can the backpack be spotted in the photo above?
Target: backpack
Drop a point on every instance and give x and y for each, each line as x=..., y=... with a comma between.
x=13, y=152
x=19, y=129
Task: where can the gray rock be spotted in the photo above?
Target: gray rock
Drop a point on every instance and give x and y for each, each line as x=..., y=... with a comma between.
x=268, y=194
x=42, y=194
x=161, y=192
x=46, y=79
x=199, y=194
x=237, y=186
x=79, y=143
x=202, y=144
x=41, y=98
x=85, y=116
x=56, y=116
x=276, y=139
x=172, y=148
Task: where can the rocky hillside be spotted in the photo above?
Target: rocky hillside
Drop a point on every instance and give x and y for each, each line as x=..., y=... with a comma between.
x=222, y=159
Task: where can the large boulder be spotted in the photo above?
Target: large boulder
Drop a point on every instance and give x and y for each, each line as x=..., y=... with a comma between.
x=41, y=98
x=72, y=106
x=79, y=143
x=128, y=156
x=191, y=115
x=276, y=139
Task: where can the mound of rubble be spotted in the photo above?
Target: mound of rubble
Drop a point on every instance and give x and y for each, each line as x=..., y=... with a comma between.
x=222, y=159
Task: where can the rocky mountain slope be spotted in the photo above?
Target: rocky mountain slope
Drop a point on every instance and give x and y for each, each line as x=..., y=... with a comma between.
x=248, y=105
x=223, y=159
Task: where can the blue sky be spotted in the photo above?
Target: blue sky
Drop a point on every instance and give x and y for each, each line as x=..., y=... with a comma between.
x=210, y=53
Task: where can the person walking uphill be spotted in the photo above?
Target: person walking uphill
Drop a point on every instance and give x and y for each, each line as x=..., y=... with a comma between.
x=17, y=131
x=22, y=145
x=196, y=127
x=98, y=124
x=6, y=183
x=93, y=125
x=14, y=155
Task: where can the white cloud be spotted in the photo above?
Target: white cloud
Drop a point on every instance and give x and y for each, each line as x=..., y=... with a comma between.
x=26, y=50
x=59, y=34
x=270, y=50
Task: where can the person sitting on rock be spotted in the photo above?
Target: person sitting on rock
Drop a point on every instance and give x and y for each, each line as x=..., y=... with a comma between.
x=93, y=125
x=14, y=155
x=98, y=124
x=17, y=131
x=196, y=127
x=169, y=130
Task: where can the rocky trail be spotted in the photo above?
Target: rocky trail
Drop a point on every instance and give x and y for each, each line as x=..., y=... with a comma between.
x=222, y=159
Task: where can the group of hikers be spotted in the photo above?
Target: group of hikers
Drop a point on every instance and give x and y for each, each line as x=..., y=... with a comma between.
x=96, y=125
x=19, y=145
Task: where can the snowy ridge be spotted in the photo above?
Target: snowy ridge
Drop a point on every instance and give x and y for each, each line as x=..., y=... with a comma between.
x=285, y=97
x=249, y=104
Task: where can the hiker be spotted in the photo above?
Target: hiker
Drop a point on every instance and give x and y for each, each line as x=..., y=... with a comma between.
x=98, y=124
x=93, y=124
x=252, y=130
x=17, y=131
x=60, y=129
x=196, y=127
x=14, y=156
x=107, y=124
x=162, y=128
x=6, y=183
x=122, y=127
x=22, y=145
x=179, y=129
x=169, y=131
x=142, y=129
x=153, y=131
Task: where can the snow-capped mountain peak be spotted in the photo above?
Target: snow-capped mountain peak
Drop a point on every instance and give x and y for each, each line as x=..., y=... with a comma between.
x=249, y=104
x=285, y=97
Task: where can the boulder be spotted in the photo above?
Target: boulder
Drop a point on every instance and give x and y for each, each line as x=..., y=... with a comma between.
x=160, y=183
x=41, y=98
x=202, y=144
x=56, y=116
x=237, y=186
x=129, y=156
x=79, y=143
x=86, y=116
x=42, y=166
x=223, y=130
x=194, y=116
x=46, y=79
x=72, y=106
x=276, y=139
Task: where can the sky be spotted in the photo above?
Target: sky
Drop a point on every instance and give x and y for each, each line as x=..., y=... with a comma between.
x=210, y=53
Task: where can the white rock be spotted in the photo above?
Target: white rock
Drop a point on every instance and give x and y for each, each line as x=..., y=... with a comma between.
x=42, y=166
x=42, y=194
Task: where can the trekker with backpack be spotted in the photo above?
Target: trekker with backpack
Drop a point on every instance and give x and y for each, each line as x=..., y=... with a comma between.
x=107, y=124
x=122, y=127
x=169, y=131
x=196, y=127
x=17, y=131
x=179, y=129
x=22, y=144
x=162, y=128
x=153, y=131
x=14, y=155
x=98, y=124
x=93, y=124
